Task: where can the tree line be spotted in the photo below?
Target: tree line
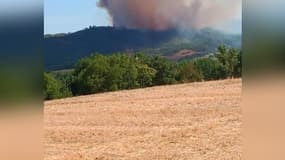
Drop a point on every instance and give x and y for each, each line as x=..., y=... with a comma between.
x=100, y=73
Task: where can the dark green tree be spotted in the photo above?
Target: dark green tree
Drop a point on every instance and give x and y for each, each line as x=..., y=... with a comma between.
x=167, y=71
x=238, y=66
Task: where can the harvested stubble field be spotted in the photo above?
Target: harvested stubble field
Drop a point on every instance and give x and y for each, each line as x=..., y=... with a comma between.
x=186, y=121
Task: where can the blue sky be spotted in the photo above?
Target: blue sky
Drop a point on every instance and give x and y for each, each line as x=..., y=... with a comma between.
x=62, y=16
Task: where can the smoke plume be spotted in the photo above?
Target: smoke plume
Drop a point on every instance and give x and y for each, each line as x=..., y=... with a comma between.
x=165, y=14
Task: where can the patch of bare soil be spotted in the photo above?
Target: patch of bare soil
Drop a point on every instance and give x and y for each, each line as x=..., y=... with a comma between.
x=186, y=121
x=182, y=54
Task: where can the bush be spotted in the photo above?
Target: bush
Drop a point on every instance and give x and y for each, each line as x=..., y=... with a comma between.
x=189, y=73
x=146, y=75
x=109, y=73
x=210, y=69
x=52, y=87
x=90, y=74
x=166, y=70
x=230, y=59
x=99, y=73
x=66, y=78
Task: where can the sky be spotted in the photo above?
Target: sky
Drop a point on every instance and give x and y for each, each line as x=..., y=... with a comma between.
x=63, y=16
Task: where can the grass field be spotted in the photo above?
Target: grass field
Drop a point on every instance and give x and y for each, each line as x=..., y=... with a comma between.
x=195, y=121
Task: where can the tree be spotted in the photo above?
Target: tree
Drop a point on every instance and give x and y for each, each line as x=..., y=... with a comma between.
x=229, y=58
x=52, y=87
x=238, y=66
x=123, y=72
x=66, y=79
x=210, y=69
x=189, y=73
x=166, y=70
x=145, y=75
x=105, y=73
x=91, y=74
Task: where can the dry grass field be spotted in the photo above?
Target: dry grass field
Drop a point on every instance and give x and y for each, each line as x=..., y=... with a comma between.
x=195, y=121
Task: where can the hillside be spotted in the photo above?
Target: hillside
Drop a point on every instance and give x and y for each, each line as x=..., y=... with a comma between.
x=63, y=50
x=186, y=121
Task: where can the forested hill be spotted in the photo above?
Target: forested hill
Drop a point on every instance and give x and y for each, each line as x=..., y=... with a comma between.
x=63, y=50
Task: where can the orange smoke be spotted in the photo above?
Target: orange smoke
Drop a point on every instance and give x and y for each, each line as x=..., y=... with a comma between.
x=165, y=14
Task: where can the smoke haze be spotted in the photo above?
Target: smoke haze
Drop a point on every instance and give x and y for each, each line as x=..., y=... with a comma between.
x=165, y=14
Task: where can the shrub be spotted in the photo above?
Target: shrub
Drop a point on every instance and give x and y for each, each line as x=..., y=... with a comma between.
x=52, y=87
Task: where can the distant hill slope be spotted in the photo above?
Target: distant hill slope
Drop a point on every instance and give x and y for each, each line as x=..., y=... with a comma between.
x=63, y=50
